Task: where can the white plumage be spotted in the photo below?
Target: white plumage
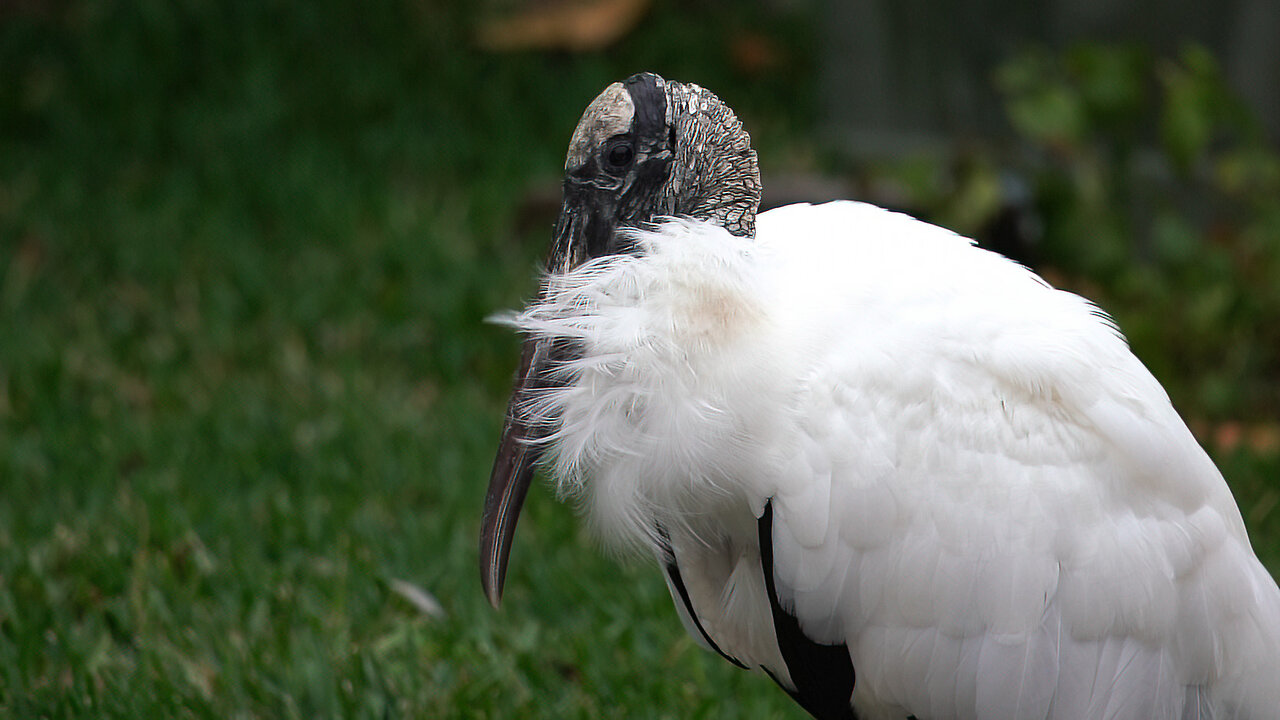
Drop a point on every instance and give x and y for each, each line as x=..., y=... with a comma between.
x=977, y=486
x=853, y=438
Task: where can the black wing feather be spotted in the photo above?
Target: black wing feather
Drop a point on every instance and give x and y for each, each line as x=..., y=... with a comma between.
x=823, y=674
x=677, y=582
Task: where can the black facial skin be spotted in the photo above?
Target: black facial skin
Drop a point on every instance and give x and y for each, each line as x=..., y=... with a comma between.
x=619, y=185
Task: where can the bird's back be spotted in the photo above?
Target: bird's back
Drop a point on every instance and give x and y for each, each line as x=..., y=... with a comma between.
x=991, y=500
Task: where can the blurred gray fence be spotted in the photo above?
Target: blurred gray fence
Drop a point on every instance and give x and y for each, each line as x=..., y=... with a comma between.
x=905, y=74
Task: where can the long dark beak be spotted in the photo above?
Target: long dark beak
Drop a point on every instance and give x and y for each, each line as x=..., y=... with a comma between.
x=518, y=451
x=512, y=473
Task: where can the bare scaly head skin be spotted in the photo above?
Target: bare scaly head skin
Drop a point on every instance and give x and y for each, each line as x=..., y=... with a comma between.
x=716, y=175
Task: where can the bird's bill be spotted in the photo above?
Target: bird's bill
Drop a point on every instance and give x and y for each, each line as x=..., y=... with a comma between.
x=586, y=228
x=512, y=474
x=581, y=231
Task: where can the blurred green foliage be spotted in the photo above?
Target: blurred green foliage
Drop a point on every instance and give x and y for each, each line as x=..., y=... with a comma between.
x=1160, y=198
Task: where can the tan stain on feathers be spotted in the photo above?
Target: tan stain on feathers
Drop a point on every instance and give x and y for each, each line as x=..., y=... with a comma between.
x=712, y=314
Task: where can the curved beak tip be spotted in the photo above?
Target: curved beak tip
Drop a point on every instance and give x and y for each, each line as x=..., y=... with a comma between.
x=492, y=593
x=509, y=482
x=495, y=596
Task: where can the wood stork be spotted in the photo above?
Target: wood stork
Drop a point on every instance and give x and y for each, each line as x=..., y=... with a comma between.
x=903, y=476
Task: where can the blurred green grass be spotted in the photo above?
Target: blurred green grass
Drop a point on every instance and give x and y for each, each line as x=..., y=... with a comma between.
x=246, y=250
x=245, y=381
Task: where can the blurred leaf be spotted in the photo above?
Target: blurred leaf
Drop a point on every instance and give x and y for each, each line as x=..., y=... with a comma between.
x=1047, y=111
x=574, y=25
x=1186, y=124
x=1247, y=170
x=1175, y=240
x=1113, y=84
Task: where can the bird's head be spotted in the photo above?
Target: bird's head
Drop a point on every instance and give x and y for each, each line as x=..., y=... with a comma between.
x=645, y=148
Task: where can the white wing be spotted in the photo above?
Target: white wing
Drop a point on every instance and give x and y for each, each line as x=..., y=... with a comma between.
x=992, y=501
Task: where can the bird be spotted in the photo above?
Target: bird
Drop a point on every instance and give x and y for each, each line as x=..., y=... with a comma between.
x=901, y=475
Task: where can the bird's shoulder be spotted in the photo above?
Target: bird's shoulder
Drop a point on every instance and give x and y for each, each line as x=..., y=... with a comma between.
x=905, y=333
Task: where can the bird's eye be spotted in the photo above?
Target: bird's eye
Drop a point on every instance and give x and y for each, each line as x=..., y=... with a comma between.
x=620, y=154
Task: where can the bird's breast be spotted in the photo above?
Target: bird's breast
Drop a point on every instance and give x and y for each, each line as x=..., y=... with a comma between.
x=678, y=389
